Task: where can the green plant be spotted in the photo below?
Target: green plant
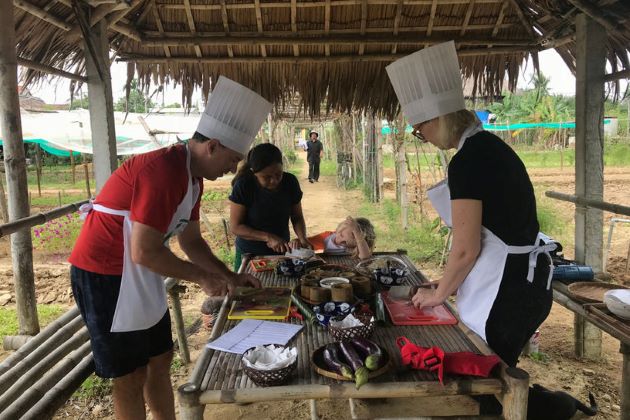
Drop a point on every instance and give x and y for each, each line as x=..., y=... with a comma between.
x=57, y=235
x=215, y=195
x=94, y=388
x=539, y=357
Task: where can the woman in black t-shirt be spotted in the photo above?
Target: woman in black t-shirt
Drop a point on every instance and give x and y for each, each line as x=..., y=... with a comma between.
x=492, y=212
x=263, y=200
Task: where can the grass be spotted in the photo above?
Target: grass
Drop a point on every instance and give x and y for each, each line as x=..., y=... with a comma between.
x=422, y=240
x=47, y=200
x=45, y=313
x=94, y=388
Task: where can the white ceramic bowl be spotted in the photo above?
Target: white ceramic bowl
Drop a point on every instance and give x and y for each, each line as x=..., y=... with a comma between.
x=303, y=253
x=328, y=282
x=618, y=302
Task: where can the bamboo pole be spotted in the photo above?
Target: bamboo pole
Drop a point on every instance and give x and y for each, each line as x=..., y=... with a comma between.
x=46, y=407
x=50, y=70
x=514, y=399
x=38, y=168
x=179, y=322
x=14, y=342
x=602, y=205
x=348, y=390
x=38, y=219
x=144, y=59
x=15, y=171
x=20, y=367
x=73, y=167
x=59, y=197
x=227, y=234
x=23, y=401
x=87, y=180
x=51, y=329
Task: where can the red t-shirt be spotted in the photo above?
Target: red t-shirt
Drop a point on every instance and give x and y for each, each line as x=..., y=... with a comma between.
x=152, y=186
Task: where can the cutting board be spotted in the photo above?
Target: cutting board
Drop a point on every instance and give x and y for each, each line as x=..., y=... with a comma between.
x=401, y=313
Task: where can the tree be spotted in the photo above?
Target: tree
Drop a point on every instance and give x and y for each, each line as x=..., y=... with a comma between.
x=138, y=101
x=81, y=102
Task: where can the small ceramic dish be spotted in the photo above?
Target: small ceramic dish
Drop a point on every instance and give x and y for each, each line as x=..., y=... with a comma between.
x=329, y=282
x=618, y=302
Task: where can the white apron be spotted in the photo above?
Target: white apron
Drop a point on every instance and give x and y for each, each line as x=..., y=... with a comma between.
x=477, y=293
x=142, y=300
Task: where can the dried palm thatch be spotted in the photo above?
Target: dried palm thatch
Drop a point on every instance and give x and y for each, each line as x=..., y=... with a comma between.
x=331, y=52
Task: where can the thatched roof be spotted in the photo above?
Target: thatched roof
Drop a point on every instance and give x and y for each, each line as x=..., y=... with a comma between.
x=325, y=51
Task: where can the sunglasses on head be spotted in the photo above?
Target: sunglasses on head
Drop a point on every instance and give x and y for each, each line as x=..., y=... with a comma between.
x=417, y=132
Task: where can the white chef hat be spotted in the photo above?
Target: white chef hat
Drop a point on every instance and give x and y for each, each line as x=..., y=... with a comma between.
x=233, y=115
x=428, y=83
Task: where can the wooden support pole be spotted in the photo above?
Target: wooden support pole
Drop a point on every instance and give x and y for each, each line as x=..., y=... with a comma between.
x=73, y=168
x=589, y=139
x=180, y=328
x=3, y=203
x=38, y=219
x=38, y=168
x=15, y=170
x=40, y=13
x=625, y=382
x=101, y=106
x=189, y=406
x=514, y=399
x=596, y=204
x=33, y=65
x=87, y=180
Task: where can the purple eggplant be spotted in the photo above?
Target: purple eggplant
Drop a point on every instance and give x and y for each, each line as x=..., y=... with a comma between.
x=370, y=350
x=331, y=357
x=355, y=361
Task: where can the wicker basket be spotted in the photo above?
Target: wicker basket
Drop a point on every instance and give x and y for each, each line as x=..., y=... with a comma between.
x=364, y=331
x=269, y=377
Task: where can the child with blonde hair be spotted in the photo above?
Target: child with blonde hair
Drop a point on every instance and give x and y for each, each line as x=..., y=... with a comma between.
x=353, y=235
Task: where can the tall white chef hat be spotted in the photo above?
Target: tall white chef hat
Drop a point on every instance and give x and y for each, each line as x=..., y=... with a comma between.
x=233, y=115
x=428, y=83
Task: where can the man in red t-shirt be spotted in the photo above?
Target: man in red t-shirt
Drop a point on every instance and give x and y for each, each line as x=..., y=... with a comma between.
x=121, y=256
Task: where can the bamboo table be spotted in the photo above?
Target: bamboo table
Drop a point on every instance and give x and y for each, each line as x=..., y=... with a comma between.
x=597, y=315
x=218, y=377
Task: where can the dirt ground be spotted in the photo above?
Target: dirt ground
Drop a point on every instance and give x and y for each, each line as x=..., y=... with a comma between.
x=324, y=206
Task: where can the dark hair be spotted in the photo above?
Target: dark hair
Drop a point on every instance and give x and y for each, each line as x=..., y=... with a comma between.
x=258, y=158
x=313, y=132
x=199, y=137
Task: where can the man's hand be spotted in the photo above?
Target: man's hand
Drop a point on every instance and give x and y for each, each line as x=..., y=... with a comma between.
x=213, y=286
x=277, y=244
x=242, y=280
x=300, y=243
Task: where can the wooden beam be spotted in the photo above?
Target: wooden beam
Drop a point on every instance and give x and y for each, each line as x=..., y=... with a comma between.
x=118, y=15
x=322, y=3
x=50, y=70
x=500, y=18
x=259, y=25
x=364, y=13
x=327, y=25
x=340, y=31
x=397, y=18
x=237, y=39
x=527, y=24
x=226, y=26
x=622, y=74
x=310, y=59
x=432, y=17
x=595, y=13
x=158, y=23
x=191, y=25
x=296, y=49
x=469, y=11
x=42, y=14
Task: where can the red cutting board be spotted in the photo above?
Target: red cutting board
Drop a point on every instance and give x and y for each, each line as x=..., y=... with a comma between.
x=402, y=313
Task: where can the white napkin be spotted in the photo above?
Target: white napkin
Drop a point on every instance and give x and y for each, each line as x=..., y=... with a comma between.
x=301, y=253
x=269, y=357
x=348, y=322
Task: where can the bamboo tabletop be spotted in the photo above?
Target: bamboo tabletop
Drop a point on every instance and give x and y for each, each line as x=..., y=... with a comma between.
x=218, y=370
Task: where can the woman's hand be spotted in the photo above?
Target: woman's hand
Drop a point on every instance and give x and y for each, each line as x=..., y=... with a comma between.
x=277, y=244
x=242, y=280
x=427, y=298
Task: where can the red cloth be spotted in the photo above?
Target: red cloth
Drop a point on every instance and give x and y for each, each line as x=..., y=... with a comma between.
x=435, y=359
x=151, y=185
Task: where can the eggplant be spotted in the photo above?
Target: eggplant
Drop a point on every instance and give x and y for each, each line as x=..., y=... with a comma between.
x=355, y=361
x=370, y=350
x=331, y=357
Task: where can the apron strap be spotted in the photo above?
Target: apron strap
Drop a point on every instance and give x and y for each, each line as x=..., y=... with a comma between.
x=534, y=251
x=86, y=208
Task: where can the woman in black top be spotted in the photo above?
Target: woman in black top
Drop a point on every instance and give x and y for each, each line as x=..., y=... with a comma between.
x=264, y=198
x=491, y=196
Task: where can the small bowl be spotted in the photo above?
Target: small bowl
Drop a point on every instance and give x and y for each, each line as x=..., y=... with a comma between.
x=329, y=282
x=291, y=267
x=618, y=302
x=327, y=310
x=386, y=270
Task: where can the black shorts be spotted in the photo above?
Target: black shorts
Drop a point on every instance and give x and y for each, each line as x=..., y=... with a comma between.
x=115, y=353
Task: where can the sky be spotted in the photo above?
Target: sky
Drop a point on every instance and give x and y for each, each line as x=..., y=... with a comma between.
x=551, y=64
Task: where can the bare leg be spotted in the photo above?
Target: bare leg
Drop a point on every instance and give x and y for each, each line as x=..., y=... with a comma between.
x=158, y=390
x=127, y=394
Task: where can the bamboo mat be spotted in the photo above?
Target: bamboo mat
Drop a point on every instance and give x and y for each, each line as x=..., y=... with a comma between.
x=224, y=370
